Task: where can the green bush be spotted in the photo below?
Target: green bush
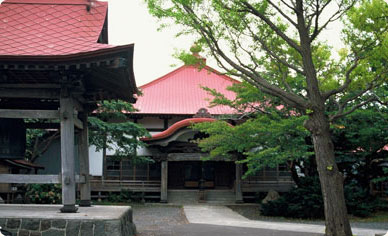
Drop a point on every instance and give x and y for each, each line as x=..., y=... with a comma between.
x=126, y=196
x=359, y=202
x=44, y=193
x=306, y=201
x=302, y=202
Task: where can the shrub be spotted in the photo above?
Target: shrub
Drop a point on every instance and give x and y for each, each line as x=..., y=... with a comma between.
x=305, y=201
x=125, y=196
x=359, y=202
x=302, y=202
x=44, y=193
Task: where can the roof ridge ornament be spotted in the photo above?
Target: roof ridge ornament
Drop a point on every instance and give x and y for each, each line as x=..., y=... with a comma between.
x=90, y=4
x=202, y=113
x=195, y=50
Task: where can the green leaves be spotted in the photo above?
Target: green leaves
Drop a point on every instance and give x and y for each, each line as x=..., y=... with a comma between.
x=111, y=129
x=263, y=140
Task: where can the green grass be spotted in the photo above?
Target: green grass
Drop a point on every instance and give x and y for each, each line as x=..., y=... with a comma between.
x=381, y=216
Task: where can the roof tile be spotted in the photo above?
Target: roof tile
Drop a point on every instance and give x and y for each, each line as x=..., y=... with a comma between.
x=180, y=92
x=46, y=27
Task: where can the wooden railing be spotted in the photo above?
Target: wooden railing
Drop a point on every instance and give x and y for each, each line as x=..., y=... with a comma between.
x=279, y=176
x=280, y=181
x=131, y=185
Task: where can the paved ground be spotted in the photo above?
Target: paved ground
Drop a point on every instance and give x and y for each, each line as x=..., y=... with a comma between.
x=215, y=230
x=204, y=220
x=224, y=216
x=155, y=220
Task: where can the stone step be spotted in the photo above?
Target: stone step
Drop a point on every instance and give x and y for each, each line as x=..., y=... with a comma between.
x=192, y=196
x=182, y=196
x=220, y=196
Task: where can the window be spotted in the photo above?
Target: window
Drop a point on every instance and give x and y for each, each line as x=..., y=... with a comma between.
x=125, y=169
x=281, y=172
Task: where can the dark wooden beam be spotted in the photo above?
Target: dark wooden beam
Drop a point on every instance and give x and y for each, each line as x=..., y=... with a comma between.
x=41, y=125
x=164, y=182
x=35, y=179
x=238, y=191
x=83, y=150
x=29, y=86
x=35, y=114
x=156, y=129
x=165, y=123
x=29, y=93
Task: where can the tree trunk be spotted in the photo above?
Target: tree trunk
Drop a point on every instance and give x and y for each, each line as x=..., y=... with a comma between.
x=337, y=221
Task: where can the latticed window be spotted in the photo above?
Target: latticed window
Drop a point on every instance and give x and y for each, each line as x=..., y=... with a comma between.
x=125, y=169
x=280, y=172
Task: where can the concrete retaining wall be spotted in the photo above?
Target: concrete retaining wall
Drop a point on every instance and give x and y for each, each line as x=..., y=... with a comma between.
x=122, y=226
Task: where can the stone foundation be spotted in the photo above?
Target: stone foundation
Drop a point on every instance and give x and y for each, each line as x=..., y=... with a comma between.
x=93, y=221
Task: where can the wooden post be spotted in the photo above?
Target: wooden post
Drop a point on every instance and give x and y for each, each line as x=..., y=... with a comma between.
x=239, y=196
x=83, y=152
x=104, y=162
x=164, y=179
x=67, y=152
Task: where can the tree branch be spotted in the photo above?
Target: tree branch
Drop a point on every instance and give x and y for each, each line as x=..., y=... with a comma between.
x=282, y=13
x=276, y=57
x=338, y=14
x=271, y=53
x=342, y=114
x=255, y=12
x=43, y=146
x=288, y=5
x=284, y=76
x=262, y=83
x=346, y=84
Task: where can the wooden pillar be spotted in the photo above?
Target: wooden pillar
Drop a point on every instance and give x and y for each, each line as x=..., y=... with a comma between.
x=104, y=167
x=239, y=196
x=164, y=181
x=83, y=152
x=67, y=153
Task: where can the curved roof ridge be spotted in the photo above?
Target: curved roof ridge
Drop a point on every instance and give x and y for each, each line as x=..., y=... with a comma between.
x=177, y=126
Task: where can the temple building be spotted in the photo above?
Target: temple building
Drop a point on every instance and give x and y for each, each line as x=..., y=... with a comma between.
x=168, y=107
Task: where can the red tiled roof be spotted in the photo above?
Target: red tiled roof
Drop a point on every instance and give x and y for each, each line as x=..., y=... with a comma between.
x=177, y=126
x=180, y=92
x=50, y=27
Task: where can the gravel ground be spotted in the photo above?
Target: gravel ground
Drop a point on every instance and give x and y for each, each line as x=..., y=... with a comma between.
x=252, y=212
x=154, y=220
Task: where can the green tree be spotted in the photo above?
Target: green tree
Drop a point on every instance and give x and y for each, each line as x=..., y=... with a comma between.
x=38, y=141
x=359, y=140
x=266, y=133
x=110, y=129
x=275, y=46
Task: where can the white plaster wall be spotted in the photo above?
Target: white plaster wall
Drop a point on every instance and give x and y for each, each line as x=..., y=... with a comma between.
x=95, y=161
